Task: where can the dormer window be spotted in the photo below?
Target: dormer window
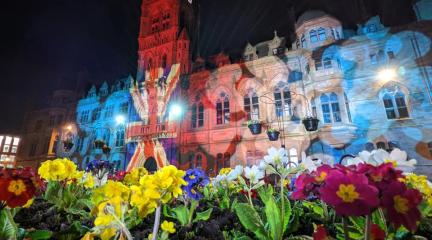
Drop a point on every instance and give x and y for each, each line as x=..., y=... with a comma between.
x=313, y=36
x=322, y=34
x=371, y=28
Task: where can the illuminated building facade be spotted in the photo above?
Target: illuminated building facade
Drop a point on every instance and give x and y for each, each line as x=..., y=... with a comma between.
x=41, y=128
x=8, y=150
x=369, y=89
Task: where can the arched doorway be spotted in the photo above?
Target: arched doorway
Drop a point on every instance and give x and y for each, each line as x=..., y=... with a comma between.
x=151, y=165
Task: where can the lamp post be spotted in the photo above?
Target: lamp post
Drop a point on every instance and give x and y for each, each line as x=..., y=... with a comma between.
x=176, y=111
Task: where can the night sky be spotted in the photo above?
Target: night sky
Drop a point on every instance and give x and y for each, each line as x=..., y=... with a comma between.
x=52, y=44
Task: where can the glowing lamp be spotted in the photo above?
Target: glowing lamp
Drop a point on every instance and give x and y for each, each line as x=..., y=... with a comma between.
x=387, y=74
x=120, y=119
x=69, y=127
x=175, y=111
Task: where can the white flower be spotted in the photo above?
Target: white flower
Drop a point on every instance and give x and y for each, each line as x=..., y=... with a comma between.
x=254, y=174
x=310, y=164
x=276, y=157
x=218, y=179
x=235, y=173
x=363, y=157
x=262, y=165
x=397, y=157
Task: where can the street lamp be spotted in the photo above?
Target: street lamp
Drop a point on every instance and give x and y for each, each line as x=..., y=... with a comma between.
x=387, y=74
x=69, y=127
x=175, y=111
x=120, y=119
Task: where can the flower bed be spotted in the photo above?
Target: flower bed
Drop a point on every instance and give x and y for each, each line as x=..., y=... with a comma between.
x=374, y=197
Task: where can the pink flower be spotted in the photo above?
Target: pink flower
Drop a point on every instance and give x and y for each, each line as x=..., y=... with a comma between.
x=349, y=193
x=401, y=205
x=304, y=185
x=381, y=176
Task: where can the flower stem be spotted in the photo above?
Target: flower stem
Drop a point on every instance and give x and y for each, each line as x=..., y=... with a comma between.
x=250, y=197
x=283, y=205
x=367, y=227
x=345, y=228
x=156, y=222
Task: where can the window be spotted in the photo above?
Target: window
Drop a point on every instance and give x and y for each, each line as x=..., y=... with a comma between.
x=395, y=105
x=283, y=102
x=84, y=116
x=197, y=116
x=381, y=145
x=191, y=161
x=430, y=148
x=303, y=41
x=198, y=161
x=219, y=162
x=293, y=157
x=119, y=138
x=313, y=36
x=222, y=110
x=371, y=28
x=373, y=58
x=390, y=54
x=322, y=34
x=297, y=44
x=330, y=108
x=124, y=107
x=164, y=61
x=109, y=111
x=327, y=63
x=226, y=160
x=33, y=148
x=314, y=109
x=7, y=143
x=251, y=106
x=347, y=108
x=96, y=114
x=318, y=65
x=380, y=57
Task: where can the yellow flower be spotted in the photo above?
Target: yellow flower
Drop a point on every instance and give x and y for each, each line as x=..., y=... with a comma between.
x=88, y=180
x=28, y=204
x=224, y=171
x=113, y=189
x=168, y=227
x=70, y=167
x=57, y=170
x=420, y=183
x=150, y=236
x=108, y=233
x=134, y=176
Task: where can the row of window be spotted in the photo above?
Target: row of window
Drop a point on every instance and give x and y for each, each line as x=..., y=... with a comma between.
x=394, y=104
x=85, y=116
x=9, y=145
x=222, y=161
x=317, y=35
x=160, y=24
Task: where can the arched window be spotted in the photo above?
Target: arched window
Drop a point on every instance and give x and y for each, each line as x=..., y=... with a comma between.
x=191, y=161
x=330, y=108
x=381, y=145
x=219, y=162
x=120, y=138
x=226, y=160
x=313, y=36
x=322, y=34
x=164, y=61
x=198, y=161
x=303, y=41
x=251, y=106
x=327, y=62
x=293, y=156
x=197, y=115
x=222, y=110
x=347, y=108
x=283, y=102
x=395, y=105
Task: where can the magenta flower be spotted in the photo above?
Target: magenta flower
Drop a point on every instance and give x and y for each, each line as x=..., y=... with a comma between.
x=349, y=193
x=304, y=186
x=401, y=205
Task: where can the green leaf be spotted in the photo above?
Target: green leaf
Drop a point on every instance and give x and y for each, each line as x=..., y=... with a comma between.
x=8, y=228
x=203, y=216
x=181, y=213
x=250, y=219
x=287, y=214
x=265, y=193
x=39, y=235
x=273, y=217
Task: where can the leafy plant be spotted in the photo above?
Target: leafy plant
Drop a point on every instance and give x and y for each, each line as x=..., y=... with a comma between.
x=186, y=215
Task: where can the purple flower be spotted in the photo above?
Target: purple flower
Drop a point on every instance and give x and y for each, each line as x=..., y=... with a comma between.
x=196, y=179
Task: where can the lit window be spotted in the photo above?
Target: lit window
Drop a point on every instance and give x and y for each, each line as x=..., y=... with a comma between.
x=293, y=157
x=7, y=143
x=322, y=34
x=251, y=106
x=313, y=36
x=395, y=105
x=222, y=110
x=109, y=111
x=96, y=114
x=330, y=108
x=197, y=116
x=119, y=138
x=283, y=102
x=124, y=107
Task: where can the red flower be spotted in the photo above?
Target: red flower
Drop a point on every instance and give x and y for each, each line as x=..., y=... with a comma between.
x=304, y=186
x=16, y=186
x=254, y=193
x=381, y=176
x=401, y=205
x=377, y=233
x=321, y=173
x=320, y=233
x=349, y=193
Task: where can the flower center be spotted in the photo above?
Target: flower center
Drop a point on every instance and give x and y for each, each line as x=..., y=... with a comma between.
x=347, y=193
x=322, y=176
x=400, y=204
x=192, y=176
x=391, y=161
x=17, y=187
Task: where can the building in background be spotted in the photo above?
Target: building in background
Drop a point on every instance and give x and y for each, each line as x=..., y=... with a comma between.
x=370, y=88
x=41, y=128
x=100, y=121
x=9, y=145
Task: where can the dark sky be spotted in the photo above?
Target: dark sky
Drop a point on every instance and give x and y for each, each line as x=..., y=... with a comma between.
x=51, y=44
